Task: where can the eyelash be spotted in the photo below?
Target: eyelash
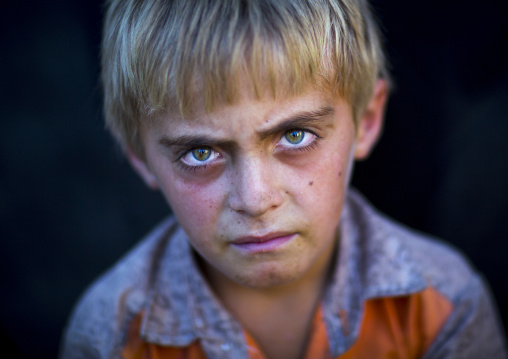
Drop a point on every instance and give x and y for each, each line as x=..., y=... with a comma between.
x=313, y=145
x=307, y=148
x=188, y=168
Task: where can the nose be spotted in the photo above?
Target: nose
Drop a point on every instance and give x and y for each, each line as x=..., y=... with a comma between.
x=255, y=187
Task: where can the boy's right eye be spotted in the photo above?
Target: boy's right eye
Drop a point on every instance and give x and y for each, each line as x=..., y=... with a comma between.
x=200, y=156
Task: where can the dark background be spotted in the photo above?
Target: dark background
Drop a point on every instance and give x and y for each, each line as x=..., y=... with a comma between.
x=70, y=205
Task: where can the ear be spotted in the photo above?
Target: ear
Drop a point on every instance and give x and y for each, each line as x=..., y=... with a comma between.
x=371, y=121
x=142, y=169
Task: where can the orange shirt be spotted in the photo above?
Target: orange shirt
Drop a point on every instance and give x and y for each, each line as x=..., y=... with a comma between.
x=396, y=327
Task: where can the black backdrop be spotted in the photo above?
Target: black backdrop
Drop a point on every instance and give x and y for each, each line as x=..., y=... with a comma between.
x=70, y=205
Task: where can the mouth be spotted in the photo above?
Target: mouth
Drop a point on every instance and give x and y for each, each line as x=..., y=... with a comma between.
x=262, y=244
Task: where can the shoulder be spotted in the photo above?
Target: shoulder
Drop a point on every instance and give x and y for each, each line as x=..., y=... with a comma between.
x=395, y=251
x=114, y=298
x=439, y=264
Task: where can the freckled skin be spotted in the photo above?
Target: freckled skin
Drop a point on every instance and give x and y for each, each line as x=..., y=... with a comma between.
x=256, y=188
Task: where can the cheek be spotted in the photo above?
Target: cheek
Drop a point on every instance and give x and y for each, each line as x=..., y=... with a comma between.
x=197, y=206
x=322, y=189
x=328, y=173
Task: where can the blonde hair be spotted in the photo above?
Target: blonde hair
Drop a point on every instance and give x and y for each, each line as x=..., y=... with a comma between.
x=158, y=55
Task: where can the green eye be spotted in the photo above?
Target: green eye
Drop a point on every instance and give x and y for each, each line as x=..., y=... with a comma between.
x=201, y=154
x=295, y=136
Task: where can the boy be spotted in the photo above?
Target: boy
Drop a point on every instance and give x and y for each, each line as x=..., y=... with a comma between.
x=247, y=115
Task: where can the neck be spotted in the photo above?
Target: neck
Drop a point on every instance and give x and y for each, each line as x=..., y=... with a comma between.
x=278, y=318
x=298, y=295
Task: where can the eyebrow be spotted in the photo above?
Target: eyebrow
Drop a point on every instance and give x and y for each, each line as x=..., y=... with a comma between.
x=192, y=141
x=297, y=120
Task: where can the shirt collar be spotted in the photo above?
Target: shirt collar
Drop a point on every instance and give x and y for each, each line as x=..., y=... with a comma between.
x=373, y=261
x=182, y=308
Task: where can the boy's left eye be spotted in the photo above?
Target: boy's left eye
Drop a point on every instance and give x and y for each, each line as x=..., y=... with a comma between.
x=297, y=138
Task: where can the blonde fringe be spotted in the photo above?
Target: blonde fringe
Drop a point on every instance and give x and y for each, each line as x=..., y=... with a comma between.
x=158, y=56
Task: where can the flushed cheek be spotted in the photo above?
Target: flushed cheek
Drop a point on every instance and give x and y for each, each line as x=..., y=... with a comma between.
x=197, y=207
x=322, y=193
x=322, y=180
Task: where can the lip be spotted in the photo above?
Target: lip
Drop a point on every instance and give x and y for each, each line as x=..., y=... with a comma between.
x=266, y=243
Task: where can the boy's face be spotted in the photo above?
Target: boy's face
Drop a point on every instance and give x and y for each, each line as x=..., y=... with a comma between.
x=258, y=186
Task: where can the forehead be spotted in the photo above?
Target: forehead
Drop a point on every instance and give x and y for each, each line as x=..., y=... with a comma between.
x=250, y=111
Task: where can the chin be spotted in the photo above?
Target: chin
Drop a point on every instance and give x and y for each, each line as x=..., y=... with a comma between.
x=265, y=278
